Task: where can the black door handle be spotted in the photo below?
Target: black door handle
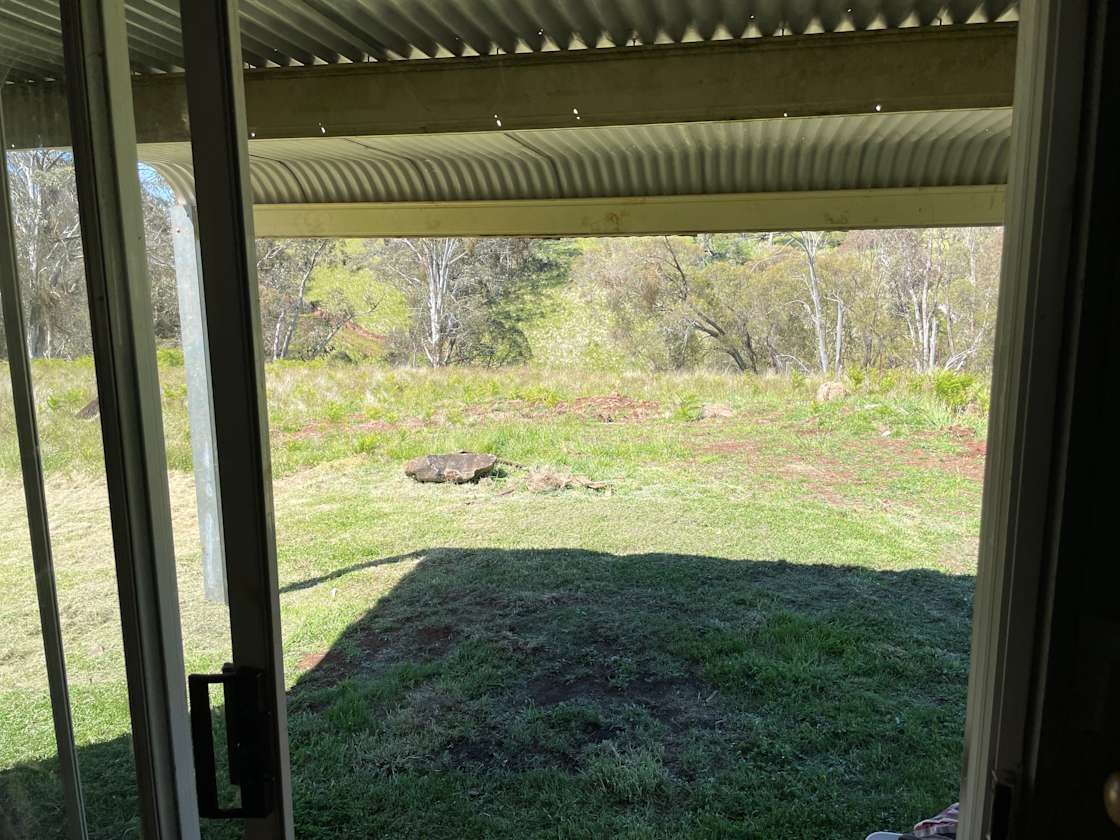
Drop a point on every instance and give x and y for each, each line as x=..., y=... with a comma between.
x=249, y=762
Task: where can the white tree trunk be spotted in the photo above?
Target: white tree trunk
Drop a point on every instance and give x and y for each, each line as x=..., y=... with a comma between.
x=838, y=341
x=810, y=243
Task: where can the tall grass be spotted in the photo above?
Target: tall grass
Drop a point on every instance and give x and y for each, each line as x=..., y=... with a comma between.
x=322, y=410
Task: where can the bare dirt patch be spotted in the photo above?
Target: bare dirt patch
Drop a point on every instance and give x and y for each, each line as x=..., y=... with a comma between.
x=857, y=466
x=320, y=428
x=435, y=639
x=605, y=408
x=311, y=660
x=677, y=702
x=357, y=423
x=610, y=408
x=729, y=447
x=976, y=449
x=679, y=706
x=366, y=647
x=825, y=475
x=967, y=461
x=961, y=432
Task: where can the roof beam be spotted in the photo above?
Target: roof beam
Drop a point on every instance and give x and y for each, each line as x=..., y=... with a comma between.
x=631, y=216
x=917, y=69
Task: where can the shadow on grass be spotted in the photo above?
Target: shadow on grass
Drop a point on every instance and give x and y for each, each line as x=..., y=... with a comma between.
x=567, y=693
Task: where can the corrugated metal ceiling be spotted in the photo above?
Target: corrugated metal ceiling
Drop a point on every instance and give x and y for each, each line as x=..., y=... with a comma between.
x=921, y=149
x=286, y=32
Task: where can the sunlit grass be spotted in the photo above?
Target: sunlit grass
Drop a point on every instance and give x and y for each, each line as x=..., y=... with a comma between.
x=759, y=628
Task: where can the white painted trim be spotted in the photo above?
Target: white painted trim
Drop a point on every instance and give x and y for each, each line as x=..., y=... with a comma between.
x=628, y=216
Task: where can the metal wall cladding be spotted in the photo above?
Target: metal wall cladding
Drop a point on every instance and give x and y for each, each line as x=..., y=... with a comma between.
x=920, y=149
x=286, y=32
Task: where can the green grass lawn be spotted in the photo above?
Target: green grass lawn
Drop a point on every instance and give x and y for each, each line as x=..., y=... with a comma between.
x=759, y=629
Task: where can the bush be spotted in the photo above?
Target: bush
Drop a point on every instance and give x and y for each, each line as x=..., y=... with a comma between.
x=169, y=357
x=957, y=391
x=688, y=408
x=369, y=444
x=886, y=381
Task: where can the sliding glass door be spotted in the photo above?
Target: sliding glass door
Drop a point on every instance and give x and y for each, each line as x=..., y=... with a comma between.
x=160, y=264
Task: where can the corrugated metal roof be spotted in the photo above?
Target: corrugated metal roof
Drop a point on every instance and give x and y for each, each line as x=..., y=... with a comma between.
x=286, y=32
x=918, y=149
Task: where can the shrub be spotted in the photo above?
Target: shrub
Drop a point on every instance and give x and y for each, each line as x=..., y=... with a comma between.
x=169, y=357
x=886, y=381
x=955, y=390
x=176, y=391
x=369, y=444
x=688, y=408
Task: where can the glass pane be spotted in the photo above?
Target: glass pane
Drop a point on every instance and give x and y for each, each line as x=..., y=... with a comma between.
x=53, y=292
x=166, y=182
x=31, y=797
x=30, y=788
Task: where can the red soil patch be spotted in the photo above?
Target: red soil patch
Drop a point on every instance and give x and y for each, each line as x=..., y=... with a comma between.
x=833, y=480
x=729, y=447
x=610, y=408
x=826, y=477
x=311, y=660
x=377, y=426
x=317, y=429
x=967, y=461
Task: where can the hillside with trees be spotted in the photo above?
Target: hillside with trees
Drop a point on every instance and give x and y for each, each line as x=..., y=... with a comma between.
x=817, y=303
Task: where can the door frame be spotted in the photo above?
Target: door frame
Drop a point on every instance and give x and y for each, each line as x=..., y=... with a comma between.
x=99, y=93
x=1057, y=101
x=103, y=135
x=1022, y=503
x=227, y=253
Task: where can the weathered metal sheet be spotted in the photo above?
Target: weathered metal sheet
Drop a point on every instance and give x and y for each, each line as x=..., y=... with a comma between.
x=923, y=149
x=286, y=32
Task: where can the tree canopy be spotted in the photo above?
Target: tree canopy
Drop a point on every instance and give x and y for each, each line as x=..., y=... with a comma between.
x=811, y=301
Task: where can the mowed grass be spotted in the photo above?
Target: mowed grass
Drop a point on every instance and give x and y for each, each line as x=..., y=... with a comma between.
x=759, y=629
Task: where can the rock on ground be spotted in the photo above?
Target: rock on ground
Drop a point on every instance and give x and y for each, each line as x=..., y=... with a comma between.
x=89, y=410
x=453, y=468
x=710, y=410
x=829, y=391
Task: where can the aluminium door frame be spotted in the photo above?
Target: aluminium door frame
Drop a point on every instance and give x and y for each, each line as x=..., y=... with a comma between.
x=99, y=92
x=220, y=152
x=1019, y=503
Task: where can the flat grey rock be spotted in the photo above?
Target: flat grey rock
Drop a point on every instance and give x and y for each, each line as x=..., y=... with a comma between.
x=454, y=468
